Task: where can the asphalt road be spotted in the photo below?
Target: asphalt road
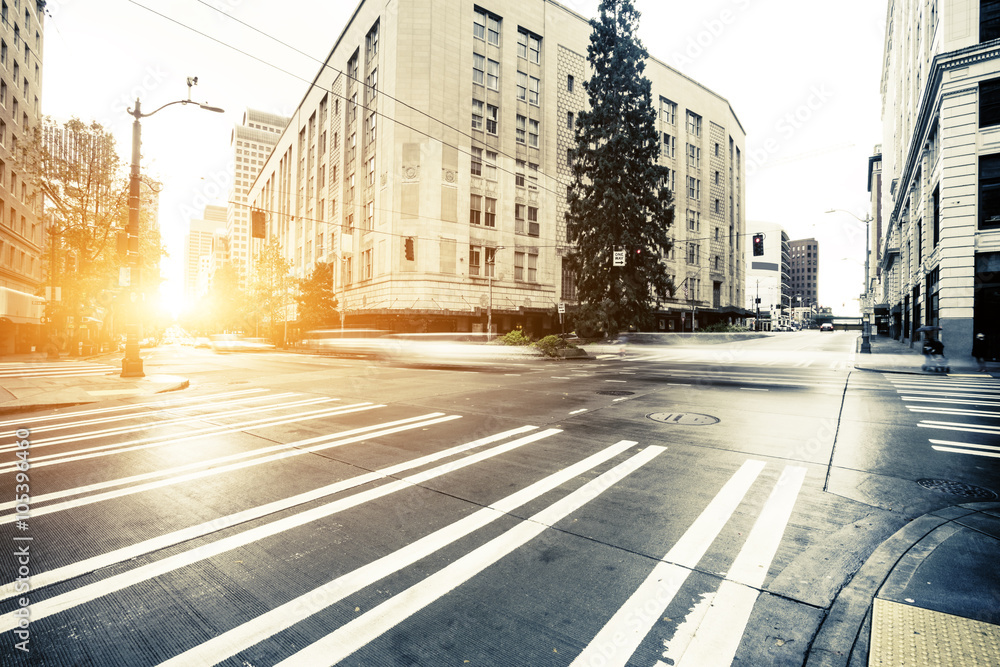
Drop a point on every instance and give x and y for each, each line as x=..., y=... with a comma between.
x=656, y=506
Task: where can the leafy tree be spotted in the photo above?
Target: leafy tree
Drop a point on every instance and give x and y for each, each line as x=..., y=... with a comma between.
x=618, y=199
x=270, y=287
x=316, y=300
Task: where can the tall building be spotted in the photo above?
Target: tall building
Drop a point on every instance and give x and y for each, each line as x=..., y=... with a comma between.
x=803, y=273
x=768, y=276
x=252, y=141
x=201, y=242
x=429, y=162
x=939, y=252
x=21, y=234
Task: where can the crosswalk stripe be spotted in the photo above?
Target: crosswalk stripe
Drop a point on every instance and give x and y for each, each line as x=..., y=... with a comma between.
x=954, y=411
x=618, y=639
x=368, y=626
x=283, y=452
x=192, y=434
x=719, y=635
x=953, y=426
x=956, y=450
x=924, y=399
x=965, y=444
x=28, y=421
x=294, y=611
x=47, y=578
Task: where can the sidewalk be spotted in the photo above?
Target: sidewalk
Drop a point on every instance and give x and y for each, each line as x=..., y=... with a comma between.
x=929, y=595
x=891, y=356
x=58, y=383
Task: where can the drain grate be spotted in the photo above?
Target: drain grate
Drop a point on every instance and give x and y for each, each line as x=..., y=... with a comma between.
x=614, y=392
x=957, y=488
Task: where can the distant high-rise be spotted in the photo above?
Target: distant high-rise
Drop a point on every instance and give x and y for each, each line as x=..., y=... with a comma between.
x=803, y=275
x=252, y=141
x=768, y=275
x=199, y=243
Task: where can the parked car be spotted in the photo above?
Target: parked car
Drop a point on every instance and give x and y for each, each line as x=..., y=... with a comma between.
x=826, y=326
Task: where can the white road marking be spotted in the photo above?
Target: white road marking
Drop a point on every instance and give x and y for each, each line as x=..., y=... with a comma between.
x=954, y=426
x=42, y=579
x=954, y=411
x=618, y=639
x=965, y=444
x=368, y=626
x=719, y=635
x=284, y=451
x=752, y=389
x=576, y=412
x=619, y=381
x=955, y=450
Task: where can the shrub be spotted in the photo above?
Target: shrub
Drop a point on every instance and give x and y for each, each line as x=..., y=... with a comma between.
x=722, y=327
x=550, y=345
x=515, y=337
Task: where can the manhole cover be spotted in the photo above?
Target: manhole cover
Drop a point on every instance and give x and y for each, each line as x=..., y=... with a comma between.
x=683, y=418
x=612, y=392
x=956, y=488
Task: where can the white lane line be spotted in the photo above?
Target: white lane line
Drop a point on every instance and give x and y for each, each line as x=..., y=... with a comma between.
x=115, y=583
x=253, y=632
x=192, y=434
x=243, y=400
x=964, y=444
x=131, y=428
x=79, y=568
x=963, y=401
x=283, y=452
x=576, y=412
x=117, y=408
x=618, y=639
x=623, y=398
x=619, y=381
x=751, y=389
x=955, y=450
x=561, y=377
x=719, y=634
x=956, y=426
x=368, y=626
x=954, y=411
x=945, y=395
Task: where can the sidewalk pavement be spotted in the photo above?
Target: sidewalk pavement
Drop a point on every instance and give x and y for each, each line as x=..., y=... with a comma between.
x=891, y=356
x=60, y=383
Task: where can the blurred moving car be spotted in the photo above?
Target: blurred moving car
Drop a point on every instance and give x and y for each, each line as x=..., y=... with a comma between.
x=826, y=326
x=453, y=349
x=345, y=342
x=202, y=341
x=237, y=343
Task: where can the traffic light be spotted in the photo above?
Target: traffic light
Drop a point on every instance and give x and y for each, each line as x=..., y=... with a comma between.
x=408, y=249
x=258, y=224
x=758, y=245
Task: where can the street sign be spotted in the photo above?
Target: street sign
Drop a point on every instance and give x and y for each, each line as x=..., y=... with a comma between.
x=38, y=302
x=561, y=308
x=124, y=276
x=619, y=258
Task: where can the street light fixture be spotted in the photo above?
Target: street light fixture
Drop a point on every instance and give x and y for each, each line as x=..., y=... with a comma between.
x=866, y=345
x=132, y=362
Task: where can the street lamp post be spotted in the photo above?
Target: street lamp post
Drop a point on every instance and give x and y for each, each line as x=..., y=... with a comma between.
x=866, y=345
x=342, y=289
x=132, y=362
x=489, y=308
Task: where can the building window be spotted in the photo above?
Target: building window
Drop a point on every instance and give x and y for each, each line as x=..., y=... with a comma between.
x=694, y=187
x=989, y=103
x=372, y=42
x=533, y=229
x=569, y=120
x=477, y=114
x=490, y=171
x=533, y=87
x=989, y=20
x=370, y=169
x=669, y=147
x=519, y=173
x=520, y=130
x=668, y=111
x=570, y=81
x=693, y=220
x=694, y=124
x=490, y=218
x=532, y=267
x=475, y=258
x=693, y=156
x=478, y=69
x=693, y=253
x=477, y=162
x=989, y=190
x=479, y=25
x=476, y=210
x=532, y=176
x=522, y=86
x=492, y=117
x=492, y=74
x=568, y=283
x=529, y=47
x=533, y=133
x=518, y=266
x=519, y=218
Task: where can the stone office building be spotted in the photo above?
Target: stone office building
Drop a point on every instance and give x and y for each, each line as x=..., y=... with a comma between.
x=428, y=162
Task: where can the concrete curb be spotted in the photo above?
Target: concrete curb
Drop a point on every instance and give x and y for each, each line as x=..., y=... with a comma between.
x=34, y=407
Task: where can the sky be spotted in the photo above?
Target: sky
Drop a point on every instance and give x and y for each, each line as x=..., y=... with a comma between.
x=802, y=77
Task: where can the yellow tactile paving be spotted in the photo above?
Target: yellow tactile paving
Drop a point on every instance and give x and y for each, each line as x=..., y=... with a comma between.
x=906, y=635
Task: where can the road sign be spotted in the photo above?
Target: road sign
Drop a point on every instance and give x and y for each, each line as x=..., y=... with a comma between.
x=619, y=258
x=561, y=308
x=124, y=276
x=38, y=302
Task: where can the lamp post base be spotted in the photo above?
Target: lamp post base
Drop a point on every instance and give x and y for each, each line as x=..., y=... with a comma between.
x=866, y=344
x=132, y=368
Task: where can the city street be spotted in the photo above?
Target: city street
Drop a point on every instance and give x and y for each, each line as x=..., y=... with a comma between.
x=654, y=505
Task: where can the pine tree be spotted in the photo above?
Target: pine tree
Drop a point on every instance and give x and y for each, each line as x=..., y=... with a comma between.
x=316, y=300
x=618, y=200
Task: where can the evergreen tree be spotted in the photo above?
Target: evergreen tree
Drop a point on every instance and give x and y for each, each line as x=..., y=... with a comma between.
x=618, y=200
x=316, y=300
